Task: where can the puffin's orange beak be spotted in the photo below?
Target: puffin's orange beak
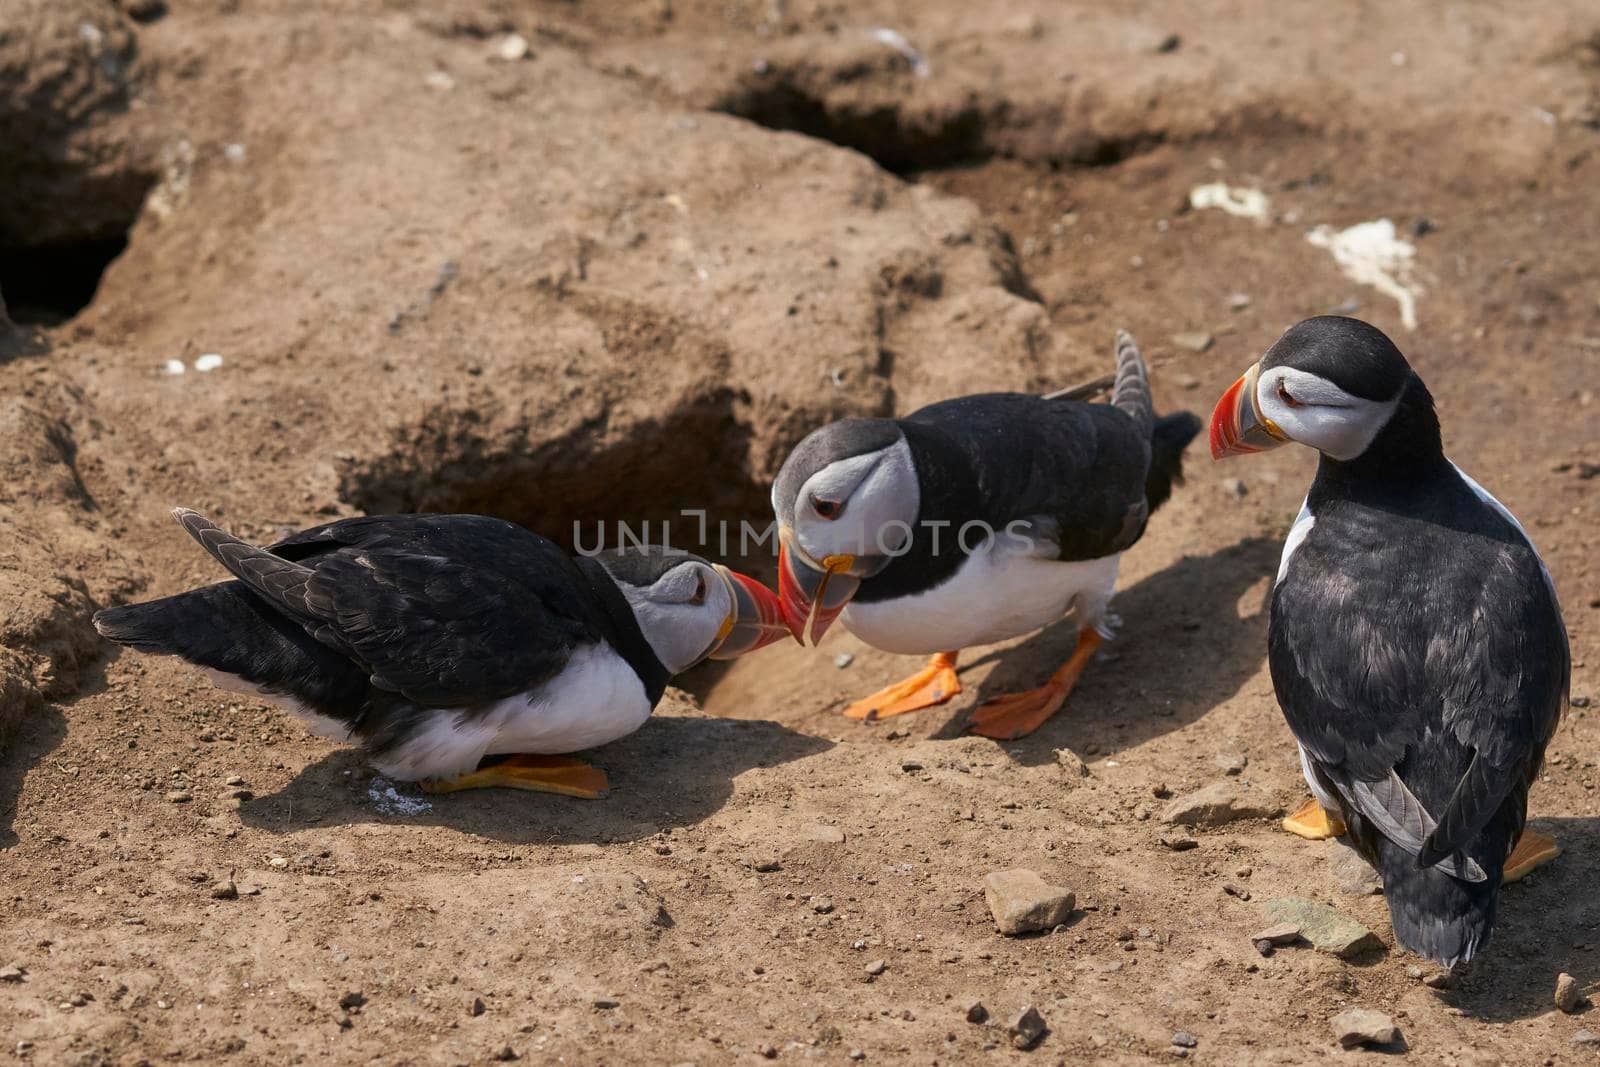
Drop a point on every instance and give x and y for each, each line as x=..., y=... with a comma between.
x=809, y=594
x=1237, y=426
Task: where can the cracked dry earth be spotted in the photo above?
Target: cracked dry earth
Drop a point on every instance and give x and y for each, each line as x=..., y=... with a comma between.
x=618, y=274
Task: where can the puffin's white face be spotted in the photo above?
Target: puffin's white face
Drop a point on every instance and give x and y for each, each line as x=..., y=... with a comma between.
x=863, y=506
x=696, y=609
x=1315, y=412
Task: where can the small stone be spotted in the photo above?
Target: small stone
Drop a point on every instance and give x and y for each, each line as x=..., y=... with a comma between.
x=824, y=834
x=1194, y=341
x=1569, y=998
x=1326, y=929
x=857, y=1054
x=765, y=864
x=1414, y=972
x=477, y=1007
x=1238, y=301
x=1233, y=763
x=976, y=1013
x=1235, y=488
x=233, y=779
x=1235, y=891
x=606, y=1003
x=506, y=1054
x=1184, y=1039
x=910, y=766
x=511, y=47
x=1216, y=805
x=1170, y=43
x=822, y=905
x=277, y=862
x=769, y=1052
x=1022, y=902
x=12, y=973
x=352, y=1001
x=1351, y=873
x=1586, y=1037
x=1579, y=702
x=1363, y=1026
x=1160, y=791
x=843, y=660
x=179, y=796
x=1439, y=980
x=225, y=890
x=1072, y=766
x=1278, y=934
x=877, y=967
x=1178, y=842
x=1263, y=947
x=1027, y=1028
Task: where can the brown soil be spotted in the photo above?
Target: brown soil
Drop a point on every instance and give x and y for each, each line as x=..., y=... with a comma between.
x=647, y=299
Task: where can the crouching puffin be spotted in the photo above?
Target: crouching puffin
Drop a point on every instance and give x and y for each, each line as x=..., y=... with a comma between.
x=438, y=640
x=1415, y=642
x=972, y=521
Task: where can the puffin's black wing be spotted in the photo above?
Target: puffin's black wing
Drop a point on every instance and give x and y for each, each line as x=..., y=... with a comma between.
x=447, y=610
x=1421, y=663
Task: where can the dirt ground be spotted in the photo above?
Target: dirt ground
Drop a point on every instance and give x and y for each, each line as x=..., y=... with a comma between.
x=595, y=280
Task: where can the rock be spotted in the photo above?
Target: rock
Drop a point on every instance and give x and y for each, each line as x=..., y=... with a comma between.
x=1073, y=769
x=278, y=863
x=506, y=1054
x=1235, y=488
x=1027, y=1028
x=1586, y=1037
x=1363, y=1026
x=976, y=1013
x=179, y=796
x=1195, y=341
x=225, y=890
x=1217, y=805
x=1238, y=301
x=877, y=967
x=12, y=973
x=824, y=834
x=1022, y=902
x=351, y=1001
x=477, y=1007
x=1326, y=929
x=1178, y=842
x=766, y=864
x=1233, y=763
x=1184, y=1039
x=1351, y=873
x=606, y=1003
x=822, y=905
x=843, y=660
x=1278, y=934
x=1569, y=998
x=910, y=766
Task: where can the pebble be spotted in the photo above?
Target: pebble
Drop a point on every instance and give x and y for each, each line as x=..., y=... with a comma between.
x=1326, y=929
x=1184, y=1039
x=1216, y=805
x=12, y=973
x=1439, y=980
x=1238, y=301
x=1194, y=341
x=769, y=1052
x=1233, y=763
x=477, y=1007
x=605, y=1003
x=1071, y=764
x=1022, y=902
x=511, y=47
x=1178, y=842
x=179, y=796
x=352, y=1000
x=824, y=834
x=822, y=905
x=910, y=766
x=225, y=890
x=506, y=1054
x=1569, y=998
x=1027, y=1028
x=1586, y=1037
x=1235, y=488
x=877, y=967
x=843, y=660
x=1363, y=1026
x=857, y=1054
x=1413, y=971
x=233, y=779
x=976, y=1013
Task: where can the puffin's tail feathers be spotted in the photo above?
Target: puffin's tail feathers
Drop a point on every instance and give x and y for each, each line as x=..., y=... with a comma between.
x=1435, y=914
x=1170, y=437
x=1130, y=391
x=281, y=582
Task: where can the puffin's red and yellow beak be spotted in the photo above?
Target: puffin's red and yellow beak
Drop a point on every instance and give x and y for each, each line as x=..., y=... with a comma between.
x=813, y=594
x=1237, y=426
x=755, y=621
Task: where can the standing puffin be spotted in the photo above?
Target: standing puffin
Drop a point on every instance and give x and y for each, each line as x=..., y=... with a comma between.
x=1415, y=643
x=972, y=521
x=438, y=640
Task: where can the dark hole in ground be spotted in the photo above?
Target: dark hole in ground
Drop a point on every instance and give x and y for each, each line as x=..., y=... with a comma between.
x=49, y=284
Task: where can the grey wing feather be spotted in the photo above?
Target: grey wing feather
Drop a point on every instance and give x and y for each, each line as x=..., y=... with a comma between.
x=1131, y=391
x=273, y=577
x=1397, y=812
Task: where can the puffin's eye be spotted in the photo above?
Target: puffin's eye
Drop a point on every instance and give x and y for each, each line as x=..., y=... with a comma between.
x=699, y=589
x=1283, y=395
x=827, y=509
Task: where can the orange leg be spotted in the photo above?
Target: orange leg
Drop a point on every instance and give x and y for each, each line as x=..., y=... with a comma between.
x=1016, y=715
x=542, y=774
x=933, y=684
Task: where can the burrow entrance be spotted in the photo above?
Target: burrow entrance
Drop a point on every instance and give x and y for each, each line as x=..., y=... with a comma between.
x=47, y=285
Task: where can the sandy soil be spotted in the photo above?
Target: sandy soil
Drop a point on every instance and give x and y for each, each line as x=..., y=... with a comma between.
x=601, y=350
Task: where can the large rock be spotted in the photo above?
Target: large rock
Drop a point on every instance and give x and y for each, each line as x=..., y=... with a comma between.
x=1024, y=903
x=78, y=155
x=1217, y=805
x=1325, y=928
x=1363, y=1026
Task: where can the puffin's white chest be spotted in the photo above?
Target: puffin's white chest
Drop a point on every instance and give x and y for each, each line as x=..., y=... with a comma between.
x=995, y=595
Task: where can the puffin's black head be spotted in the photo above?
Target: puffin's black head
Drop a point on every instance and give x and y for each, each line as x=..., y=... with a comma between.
x=1329, y=382
x=846, y=500
x=689, y=609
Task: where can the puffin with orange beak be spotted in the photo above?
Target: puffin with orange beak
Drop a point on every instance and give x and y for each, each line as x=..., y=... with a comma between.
x=441, y=642
x=1415, y=643
x=973, y=521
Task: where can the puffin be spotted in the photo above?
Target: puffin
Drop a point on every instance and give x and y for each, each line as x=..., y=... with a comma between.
x=441, y=642
x=1415, y=640
x=972, y=521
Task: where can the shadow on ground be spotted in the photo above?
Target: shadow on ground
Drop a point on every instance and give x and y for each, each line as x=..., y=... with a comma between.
x=674, y=772
x=1186, y=645
x=40, y=733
